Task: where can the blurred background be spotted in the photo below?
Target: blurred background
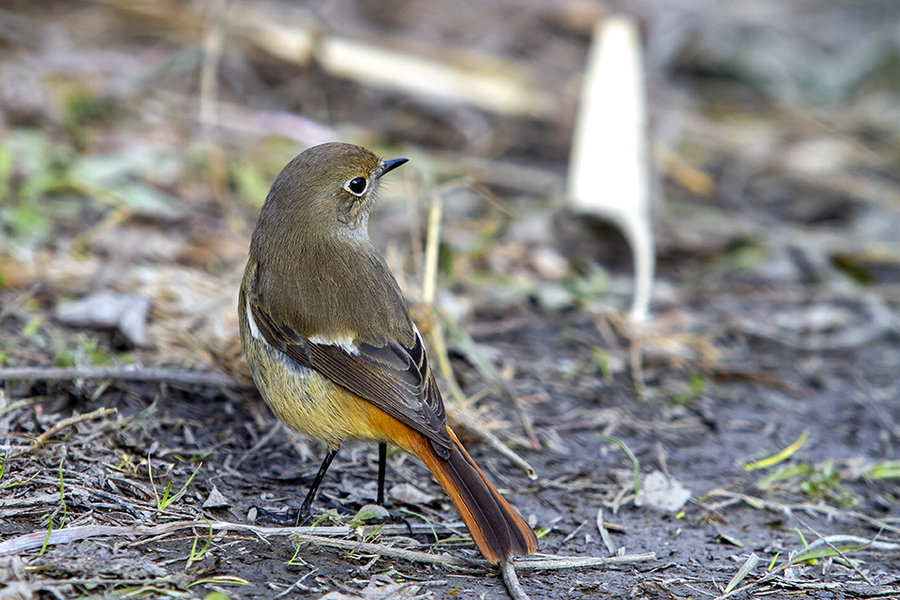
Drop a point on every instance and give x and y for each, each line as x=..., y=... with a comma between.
x=139, y=139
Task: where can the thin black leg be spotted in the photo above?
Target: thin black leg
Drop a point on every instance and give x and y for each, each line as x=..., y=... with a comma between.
x=382, y=465
x=305, y=508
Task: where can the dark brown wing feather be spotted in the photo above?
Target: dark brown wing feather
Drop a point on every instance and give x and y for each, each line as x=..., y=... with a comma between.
x=393, y=377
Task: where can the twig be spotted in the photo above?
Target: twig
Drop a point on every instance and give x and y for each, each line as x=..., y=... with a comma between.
x=552, y=563
x=120, y=373
x=297, y=583
x=879, y=321
x=74, y=420
x=30, y=541
x=481, y=79
x=511, y=580
x=321, y=536
x=401, y=553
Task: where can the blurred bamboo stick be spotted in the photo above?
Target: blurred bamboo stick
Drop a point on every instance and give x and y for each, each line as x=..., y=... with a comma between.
x=608, y=176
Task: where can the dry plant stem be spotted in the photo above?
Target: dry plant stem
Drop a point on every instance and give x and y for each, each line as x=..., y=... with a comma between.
x=212, y=50
x=609, y=144
x=429, y=277
x=489, y=373
x=297, y=583
x=637, y=369
x=158, y=375
x=857, y=590
x=30, y=541
x=511, y=580
x=208, y=109
x=872, y=544
x=95, y=414
x=429, y=70
x=429, y=288
x=439, y=345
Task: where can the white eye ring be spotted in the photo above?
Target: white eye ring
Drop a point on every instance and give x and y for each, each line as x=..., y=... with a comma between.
x=357, y=186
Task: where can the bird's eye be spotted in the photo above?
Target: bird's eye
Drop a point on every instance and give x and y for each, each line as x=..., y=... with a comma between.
x=357, y=185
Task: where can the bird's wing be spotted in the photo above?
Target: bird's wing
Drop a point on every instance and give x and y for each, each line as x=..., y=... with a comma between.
x=393, y=377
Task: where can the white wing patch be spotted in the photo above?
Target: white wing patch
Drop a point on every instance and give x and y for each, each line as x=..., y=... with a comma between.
x=254, y=331
x=418, y=335
x=345, y=343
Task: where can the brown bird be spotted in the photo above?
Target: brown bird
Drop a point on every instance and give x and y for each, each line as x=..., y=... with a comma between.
x=332, y=347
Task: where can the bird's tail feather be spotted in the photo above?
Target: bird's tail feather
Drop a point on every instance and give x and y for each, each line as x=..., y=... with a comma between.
x=498, y=530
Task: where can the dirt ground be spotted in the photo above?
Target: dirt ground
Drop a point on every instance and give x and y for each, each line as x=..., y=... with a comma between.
x=759, y=405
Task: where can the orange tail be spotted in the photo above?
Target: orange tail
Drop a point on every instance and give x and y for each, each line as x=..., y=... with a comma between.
x=498, y=530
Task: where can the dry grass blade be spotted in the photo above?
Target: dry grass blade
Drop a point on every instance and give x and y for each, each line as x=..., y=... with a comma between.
x=748, y=566
x=779, y=456
x=604, y=534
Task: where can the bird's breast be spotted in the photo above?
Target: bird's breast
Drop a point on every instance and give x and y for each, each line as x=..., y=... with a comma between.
x=304, y=399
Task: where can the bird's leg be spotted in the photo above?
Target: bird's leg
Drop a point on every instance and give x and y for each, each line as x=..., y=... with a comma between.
x=382, y=465
x=392, y=517
x=305, y=508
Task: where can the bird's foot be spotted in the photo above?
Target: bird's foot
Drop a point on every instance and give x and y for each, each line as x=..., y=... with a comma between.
x=285, y=517
x=377, y=514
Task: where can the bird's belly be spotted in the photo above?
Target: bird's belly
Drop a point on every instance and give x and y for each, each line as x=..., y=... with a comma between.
x=309, y=402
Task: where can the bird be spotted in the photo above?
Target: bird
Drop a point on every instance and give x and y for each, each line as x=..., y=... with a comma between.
x=331, y=345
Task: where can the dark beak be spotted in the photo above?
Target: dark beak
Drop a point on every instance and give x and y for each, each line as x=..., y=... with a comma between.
x=391, y=164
